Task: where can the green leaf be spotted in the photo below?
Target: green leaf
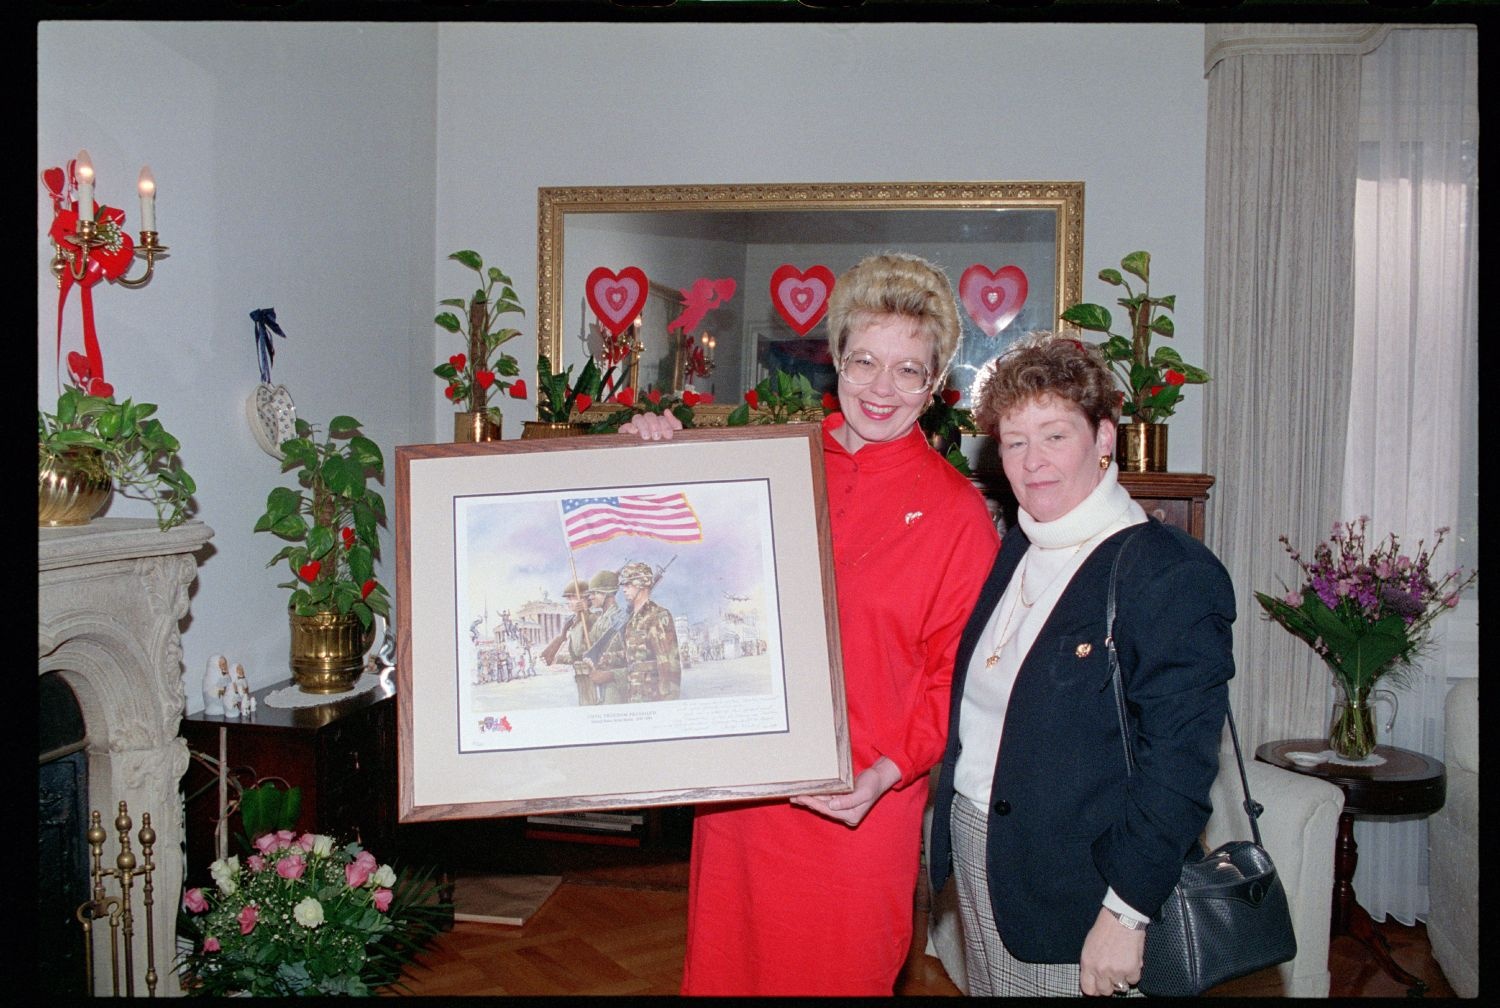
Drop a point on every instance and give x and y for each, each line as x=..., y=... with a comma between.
x=448, y=321
x=446, y=370
x=469, y=258
x=1139, y=264
x=342, y=424
x=739, y=416
x=1162, y=326
x=1111, y=277
x=1095, y=318
x=367, y=453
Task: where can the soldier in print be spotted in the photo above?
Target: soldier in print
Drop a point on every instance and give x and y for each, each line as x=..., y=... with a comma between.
x=653, y=664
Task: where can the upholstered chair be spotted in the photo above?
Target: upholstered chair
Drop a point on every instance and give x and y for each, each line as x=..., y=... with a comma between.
x=1453, y=847
x=1298, y=828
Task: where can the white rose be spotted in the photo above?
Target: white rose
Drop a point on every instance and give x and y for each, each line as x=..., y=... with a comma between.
x=308, y=913
x=385, y=876
x=225, y=873
x=322, y=845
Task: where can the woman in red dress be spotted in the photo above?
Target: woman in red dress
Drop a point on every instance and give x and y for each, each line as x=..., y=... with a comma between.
x=813, y=895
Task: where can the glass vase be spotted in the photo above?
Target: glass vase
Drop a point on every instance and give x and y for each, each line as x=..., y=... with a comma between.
x=1352, y=732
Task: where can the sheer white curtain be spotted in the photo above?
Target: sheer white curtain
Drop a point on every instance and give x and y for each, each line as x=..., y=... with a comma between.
x=1415, y=328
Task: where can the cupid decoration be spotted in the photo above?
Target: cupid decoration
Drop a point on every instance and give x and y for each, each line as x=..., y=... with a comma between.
x=801, y=297
x=993, y=299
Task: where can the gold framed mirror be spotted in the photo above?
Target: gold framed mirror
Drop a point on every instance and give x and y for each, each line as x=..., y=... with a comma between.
x=984, y=234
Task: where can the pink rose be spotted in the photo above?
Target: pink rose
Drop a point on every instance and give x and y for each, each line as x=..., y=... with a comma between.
x=305, y=841
x=383, y=899
x=291, y=867
x=248, y=917
x=1292, y=598
x=210, y=944
x=265, y=843
x=193, y=901
x=255, y=863
x=358, y=871
x=284, y=838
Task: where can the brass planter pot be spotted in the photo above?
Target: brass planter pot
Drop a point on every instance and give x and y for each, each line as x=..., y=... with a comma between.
x=71, y=489
x=1142, y=447
x=328, y=651
x=475, y=426
x=551, y=429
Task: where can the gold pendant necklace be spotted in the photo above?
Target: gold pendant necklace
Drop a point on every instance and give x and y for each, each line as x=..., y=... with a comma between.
x=1023, y=603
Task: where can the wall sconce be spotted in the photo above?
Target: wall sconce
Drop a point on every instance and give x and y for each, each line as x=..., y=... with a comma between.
x=89, y=235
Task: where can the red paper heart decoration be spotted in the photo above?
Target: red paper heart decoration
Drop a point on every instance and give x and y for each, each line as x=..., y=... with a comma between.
x=801, y=297
x=993, y=300
x=617, y=298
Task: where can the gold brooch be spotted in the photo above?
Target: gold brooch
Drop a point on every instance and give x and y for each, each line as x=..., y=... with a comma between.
x=1084, y=650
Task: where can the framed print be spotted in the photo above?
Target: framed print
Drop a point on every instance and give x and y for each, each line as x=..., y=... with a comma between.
x=601, y=622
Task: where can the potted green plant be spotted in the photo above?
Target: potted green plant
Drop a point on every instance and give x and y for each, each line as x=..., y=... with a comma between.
x=781, y=398
x=628, y=404
x=91, y=445
x=331, y=523
x=561, y=402
x=945, y=423
x=473, y=372
x=1151, y=380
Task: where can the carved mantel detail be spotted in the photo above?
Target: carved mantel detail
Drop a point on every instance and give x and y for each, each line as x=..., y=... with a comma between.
x=110, y=596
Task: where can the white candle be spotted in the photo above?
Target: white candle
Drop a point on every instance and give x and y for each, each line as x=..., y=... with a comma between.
x=147, y=187
x=85, y=171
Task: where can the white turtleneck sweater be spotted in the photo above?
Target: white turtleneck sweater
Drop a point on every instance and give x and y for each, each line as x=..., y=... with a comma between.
x=1058, y=548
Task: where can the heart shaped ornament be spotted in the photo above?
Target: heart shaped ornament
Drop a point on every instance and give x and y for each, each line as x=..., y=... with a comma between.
x=273, y=417
x=992, y=299
x=801, y=297
x=617, y=298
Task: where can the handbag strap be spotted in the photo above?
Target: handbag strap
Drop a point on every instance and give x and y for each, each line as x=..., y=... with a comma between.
x=1253, y=808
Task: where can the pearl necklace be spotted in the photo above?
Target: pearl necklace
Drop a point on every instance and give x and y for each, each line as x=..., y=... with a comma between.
x=1022, y=603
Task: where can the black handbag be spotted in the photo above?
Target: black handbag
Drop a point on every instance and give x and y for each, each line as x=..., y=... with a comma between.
x=1228, y=915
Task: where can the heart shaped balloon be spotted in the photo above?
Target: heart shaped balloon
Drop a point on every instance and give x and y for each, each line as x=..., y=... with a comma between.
x=801, y=297
x=617, y=298
x=992, y=299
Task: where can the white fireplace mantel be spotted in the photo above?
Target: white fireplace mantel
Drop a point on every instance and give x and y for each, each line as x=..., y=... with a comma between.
x=110, y=596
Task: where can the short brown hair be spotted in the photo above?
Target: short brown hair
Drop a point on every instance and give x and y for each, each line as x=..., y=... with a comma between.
x=1046, y=364
x=900, y=284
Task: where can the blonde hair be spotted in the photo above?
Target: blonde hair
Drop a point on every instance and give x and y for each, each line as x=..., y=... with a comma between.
x=899, y=284
x=1042, y=364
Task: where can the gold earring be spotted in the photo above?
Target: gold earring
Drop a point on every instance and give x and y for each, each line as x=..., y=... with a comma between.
x=1104, y=461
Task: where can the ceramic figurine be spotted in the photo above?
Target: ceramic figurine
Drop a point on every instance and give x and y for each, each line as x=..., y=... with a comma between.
x=216, y=684
x=243, y=703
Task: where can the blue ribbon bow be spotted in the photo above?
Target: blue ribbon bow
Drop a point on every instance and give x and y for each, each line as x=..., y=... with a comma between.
x=265, y=324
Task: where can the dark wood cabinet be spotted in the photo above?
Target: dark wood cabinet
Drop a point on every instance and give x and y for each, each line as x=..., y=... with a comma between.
x=342, y=754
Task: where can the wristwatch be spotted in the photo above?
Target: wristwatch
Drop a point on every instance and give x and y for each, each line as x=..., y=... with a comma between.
x=1128, y=922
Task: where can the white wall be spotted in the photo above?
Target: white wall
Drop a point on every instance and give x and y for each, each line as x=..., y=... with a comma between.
x=294, y=169
x=300, y=167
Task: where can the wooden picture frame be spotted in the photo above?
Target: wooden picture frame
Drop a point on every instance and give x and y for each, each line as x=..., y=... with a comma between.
x=732, y=524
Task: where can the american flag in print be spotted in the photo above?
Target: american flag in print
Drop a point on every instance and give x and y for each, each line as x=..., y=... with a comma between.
x=589, y=520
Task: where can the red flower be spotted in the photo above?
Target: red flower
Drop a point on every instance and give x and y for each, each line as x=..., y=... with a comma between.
x=830, y=403
x=951, y=396
x=1155, y=389
x=691, y=398
x=582, y=402
x=366, y=588
x=655, y=396
x=518, y=389
x=1175, y=377
x=309, y=571
x=458, y=361
x=752, y=399
x=348, y=534
x=484, y=379
x=451, y=391
x=706, y=397
x=626, y=397
x=248, y=917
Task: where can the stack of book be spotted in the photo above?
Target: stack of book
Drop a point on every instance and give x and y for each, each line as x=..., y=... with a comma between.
x=620, y=828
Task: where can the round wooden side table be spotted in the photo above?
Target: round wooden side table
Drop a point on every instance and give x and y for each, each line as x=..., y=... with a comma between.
x=1407, y=783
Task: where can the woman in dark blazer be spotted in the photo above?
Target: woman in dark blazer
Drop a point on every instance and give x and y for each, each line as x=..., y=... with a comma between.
x=1060, y=857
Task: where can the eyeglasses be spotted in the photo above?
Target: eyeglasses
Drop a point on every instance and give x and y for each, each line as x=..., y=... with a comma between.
x=860, y=367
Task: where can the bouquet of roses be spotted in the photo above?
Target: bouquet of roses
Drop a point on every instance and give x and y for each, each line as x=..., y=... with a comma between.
x=628, y=405
x=303, y=916
x=1366, y=612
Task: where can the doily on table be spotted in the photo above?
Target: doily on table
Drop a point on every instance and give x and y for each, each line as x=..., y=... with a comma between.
x=293, y=696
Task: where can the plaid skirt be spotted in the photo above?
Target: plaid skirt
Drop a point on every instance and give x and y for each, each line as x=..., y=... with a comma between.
x=990, y=969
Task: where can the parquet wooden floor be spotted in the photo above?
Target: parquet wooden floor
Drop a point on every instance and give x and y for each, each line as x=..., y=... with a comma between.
x=617, y=925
